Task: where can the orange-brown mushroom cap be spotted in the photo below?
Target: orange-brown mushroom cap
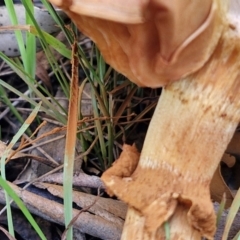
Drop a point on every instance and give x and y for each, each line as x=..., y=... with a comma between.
x=147, y=40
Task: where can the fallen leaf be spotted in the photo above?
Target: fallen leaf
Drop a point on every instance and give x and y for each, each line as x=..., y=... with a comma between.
x=16, y=155
x=218, y=187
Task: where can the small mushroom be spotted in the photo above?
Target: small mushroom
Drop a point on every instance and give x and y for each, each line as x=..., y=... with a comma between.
x=192, y=49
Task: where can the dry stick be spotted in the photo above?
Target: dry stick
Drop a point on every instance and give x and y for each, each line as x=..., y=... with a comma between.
x=42, y=151
x=61, y=166
x=42, y=143
x=10, y=237
x=81, y=180
x=33, y=143
x=53, y=212
x=76, y=217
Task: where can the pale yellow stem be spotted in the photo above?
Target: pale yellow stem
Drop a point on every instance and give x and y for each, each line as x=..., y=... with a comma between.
x=134, y=227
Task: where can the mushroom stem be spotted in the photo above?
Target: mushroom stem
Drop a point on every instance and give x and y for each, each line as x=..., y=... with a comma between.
x=193, y=122
x=134, y=227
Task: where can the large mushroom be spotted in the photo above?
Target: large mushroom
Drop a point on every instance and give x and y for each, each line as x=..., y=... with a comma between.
x=192, y=49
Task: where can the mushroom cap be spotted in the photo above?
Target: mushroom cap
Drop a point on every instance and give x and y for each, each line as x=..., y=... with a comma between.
x=147, y=40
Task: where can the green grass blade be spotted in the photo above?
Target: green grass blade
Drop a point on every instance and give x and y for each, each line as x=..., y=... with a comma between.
x=167, y=230
x=22, y=207
x=25, y=77
x=13, y=17
x=30, y=61
x=71, y=137
x=231, y=215
x=237, y=237
x=5, y=99
x=220, y=210
x=4, y=156
x=44, y=109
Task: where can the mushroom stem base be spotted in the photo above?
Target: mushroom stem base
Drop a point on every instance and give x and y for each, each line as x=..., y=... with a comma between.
x=134, y=227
